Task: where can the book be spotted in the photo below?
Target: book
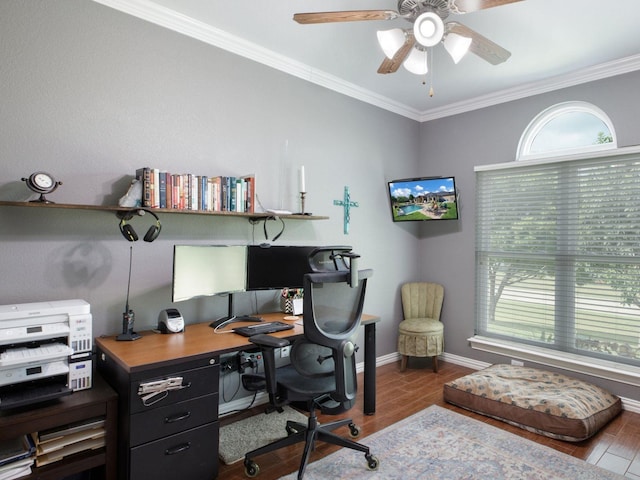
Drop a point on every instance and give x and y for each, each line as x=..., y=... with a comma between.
x=169, y=189
x=162, y=190
x=250, y=185
x=224, y=194
x=194, y=185
x=232, y=194
x=240, y=190
x=216, y=193
x=175, y=197
x=144, y=175
x=155, y=187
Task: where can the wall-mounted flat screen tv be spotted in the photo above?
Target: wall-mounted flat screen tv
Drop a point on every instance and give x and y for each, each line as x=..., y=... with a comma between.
x=423, y=198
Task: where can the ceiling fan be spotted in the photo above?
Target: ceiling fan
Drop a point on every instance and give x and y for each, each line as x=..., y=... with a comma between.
x=408, y=47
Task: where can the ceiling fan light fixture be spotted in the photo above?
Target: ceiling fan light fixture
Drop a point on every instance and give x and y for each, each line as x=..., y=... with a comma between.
x=416, y=62
x=457, y=46
x=428, y=29
x=391, y=40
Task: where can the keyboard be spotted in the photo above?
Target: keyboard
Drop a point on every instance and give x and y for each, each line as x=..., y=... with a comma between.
x=268, y=327
x=221, y=322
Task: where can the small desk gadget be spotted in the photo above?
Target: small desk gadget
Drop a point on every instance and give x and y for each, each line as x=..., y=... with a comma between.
x=176, y=429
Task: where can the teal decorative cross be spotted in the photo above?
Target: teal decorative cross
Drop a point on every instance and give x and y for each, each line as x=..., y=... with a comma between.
x=346, y=203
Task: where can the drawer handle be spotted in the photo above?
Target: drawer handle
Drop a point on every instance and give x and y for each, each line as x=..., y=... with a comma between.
x=178, y=449
x=177, y=418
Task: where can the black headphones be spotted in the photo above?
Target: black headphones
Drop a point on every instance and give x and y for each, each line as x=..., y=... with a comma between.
x=130, y=234
x=264, y=227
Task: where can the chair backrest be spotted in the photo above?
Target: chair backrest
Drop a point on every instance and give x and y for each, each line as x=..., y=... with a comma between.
x=331, y=316
x=422, y=300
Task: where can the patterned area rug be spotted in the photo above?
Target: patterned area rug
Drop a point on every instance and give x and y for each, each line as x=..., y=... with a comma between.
x=437, y=443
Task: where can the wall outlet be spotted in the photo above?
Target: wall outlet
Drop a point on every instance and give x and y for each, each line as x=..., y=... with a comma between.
x=285, y=351
x=517, y=363
x=230, y=364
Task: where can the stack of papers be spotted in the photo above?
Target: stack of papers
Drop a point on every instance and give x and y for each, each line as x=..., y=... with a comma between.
x=53, y=445
x=16, y=457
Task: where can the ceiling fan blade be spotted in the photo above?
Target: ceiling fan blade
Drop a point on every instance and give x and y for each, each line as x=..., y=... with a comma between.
x=345, y=16
x=467, y=6
x=391, y=65
x=480, y=45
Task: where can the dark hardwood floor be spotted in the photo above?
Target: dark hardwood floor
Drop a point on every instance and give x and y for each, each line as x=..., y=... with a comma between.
x=400, y=394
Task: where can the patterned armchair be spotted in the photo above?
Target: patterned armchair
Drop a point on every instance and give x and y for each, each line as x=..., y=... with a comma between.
x=421, y=333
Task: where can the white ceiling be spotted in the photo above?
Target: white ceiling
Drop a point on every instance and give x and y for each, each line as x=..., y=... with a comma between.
x=554, y=43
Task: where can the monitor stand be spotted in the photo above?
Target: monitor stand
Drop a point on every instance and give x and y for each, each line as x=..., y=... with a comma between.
x=231, y=318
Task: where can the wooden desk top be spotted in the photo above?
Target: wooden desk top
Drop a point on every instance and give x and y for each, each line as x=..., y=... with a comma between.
x=197, y=340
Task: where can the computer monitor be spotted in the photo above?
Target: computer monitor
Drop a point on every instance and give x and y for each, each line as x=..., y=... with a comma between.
x=272, y=267
x=206, y=270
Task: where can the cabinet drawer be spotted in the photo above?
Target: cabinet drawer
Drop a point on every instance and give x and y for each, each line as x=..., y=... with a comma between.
x=174, y=418
x=191, y=455
x=196, y=382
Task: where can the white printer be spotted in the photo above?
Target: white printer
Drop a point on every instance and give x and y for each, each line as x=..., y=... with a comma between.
x=45, y=351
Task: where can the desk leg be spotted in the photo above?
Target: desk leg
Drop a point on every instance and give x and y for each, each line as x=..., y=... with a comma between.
x=370, y=369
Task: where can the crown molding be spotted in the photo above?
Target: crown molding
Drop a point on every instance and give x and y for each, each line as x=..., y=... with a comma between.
x=578, y=77
x=177, y=22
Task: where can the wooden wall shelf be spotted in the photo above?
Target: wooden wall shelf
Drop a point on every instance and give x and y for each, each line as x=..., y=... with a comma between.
x=115, y=209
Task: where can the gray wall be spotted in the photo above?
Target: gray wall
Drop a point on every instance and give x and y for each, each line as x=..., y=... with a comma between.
x=91, y=94
x=490, y=136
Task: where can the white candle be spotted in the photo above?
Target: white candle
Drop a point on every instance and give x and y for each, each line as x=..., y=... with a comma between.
x=302, y=185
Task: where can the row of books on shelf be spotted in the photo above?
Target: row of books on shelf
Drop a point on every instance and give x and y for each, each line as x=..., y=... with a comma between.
x=185, y=191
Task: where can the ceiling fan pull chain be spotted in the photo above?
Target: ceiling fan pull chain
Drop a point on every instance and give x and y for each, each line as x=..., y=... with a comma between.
x=426, y=68
x=431, y=72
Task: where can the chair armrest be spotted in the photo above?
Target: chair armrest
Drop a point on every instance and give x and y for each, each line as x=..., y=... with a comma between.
x=266, y=340
x=268, y=345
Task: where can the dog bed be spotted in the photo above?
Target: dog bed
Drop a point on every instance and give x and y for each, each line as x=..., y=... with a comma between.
x=543, y=402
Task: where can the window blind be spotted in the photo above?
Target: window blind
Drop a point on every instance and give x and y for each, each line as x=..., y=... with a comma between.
x=558, y=255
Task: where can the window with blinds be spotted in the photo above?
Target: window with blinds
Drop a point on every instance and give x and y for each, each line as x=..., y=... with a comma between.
x=558, y=255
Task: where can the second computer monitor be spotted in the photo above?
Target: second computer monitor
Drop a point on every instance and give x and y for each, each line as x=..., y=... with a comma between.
x=276, y=266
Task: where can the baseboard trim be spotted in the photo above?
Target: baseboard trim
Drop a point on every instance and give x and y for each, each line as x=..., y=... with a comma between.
x=628, y=404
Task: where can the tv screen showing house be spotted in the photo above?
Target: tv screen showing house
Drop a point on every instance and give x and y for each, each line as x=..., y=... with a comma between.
x=423, y=199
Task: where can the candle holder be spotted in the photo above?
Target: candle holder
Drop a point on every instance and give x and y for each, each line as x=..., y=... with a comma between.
x=302, y=197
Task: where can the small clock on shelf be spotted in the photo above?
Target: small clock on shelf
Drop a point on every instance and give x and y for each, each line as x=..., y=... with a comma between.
x=41, y=182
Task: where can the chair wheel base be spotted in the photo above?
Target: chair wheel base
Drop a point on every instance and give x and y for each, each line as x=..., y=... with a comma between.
x=372, y=462
x=251, y=469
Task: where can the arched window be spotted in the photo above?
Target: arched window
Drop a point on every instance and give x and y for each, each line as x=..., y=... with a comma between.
x=565, y=128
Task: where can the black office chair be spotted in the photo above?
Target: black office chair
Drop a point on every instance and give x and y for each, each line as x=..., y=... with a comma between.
x=322, y=373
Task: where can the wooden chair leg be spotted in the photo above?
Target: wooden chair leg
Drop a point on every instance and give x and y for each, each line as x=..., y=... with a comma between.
x=403, y=363
x=435, y=363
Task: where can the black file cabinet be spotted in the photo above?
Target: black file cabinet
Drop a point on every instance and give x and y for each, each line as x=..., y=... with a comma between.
x=171, y=432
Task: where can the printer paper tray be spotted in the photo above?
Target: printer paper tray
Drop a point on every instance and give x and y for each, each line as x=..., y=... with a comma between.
x=27, y=394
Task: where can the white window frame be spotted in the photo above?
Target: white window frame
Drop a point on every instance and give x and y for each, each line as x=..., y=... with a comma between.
x=606, y=369
x=541, y=121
